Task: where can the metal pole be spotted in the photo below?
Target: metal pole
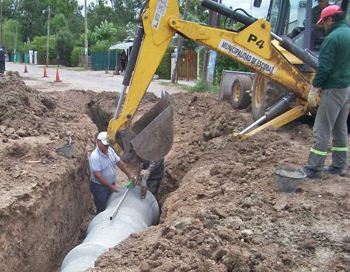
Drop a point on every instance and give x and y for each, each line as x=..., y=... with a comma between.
x=48, y=38
x=86, y=38
x=15, y=49
x=179, y=45
x=119, y=204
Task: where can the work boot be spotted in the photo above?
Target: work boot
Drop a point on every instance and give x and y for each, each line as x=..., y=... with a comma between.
x=312, y=174
x=335, y=170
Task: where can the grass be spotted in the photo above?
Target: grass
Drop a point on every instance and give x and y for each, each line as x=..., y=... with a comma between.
x=164, y=83
x=202, y=86
x=71, y=68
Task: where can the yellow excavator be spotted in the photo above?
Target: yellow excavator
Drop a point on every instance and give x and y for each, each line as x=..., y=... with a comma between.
x=272, y=57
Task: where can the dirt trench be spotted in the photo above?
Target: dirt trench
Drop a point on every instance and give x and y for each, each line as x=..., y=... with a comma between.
x=45, y=203
x=45, y=197
x=221, y=210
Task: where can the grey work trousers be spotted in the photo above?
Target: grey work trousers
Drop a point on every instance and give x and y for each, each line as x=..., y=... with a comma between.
x=331, y=118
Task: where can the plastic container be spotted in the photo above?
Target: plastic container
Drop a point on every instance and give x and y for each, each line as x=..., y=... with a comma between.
x=288, y=178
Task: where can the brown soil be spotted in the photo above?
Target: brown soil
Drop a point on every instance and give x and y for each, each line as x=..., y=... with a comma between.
x=221, y=210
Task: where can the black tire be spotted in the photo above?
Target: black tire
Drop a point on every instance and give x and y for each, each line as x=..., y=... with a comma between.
x=265, y=93
x=240, y=98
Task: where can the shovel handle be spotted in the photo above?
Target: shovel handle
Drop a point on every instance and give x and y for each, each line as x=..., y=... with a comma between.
x=129, y=185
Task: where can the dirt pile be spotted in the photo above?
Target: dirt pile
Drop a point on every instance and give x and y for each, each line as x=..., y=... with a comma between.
x=221, y=210
x=44, y=196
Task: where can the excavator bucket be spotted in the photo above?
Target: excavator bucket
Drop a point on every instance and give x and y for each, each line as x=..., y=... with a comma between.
x=151, y=137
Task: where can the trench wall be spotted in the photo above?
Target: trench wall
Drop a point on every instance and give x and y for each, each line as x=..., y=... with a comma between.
x=38, y=230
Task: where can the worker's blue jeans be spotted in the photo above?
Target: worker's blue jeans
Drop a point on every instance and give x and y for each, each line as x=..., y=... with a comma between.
x=100, y=194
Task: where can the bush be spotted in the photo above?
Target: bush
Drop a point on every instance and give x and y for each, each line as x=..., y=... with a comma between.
x=74, y=58
x=40, y=44
x=101, y=46
x=64, y=46
x=164, y=69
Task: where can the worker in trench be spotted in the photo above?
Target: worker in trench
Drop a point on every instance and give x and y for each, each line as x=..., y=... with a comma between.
x=332, y=81
x=151, y=175
x=103, y=161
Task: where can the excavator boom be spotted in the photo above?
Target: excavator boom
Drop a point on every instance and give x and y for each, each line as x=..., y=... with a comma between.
x=252, y=47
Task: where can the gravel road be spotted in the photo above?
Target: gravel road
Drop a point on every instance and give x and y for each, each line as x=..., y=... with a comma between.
x=96, y=81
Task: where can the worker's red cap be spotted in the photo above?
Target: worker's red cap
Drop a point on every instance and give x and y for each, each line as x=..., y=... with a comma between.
x=329, y=11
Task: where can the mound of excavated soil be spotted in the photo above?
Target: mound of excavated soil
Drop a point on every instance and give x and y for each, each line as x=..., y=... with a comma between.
x=221, y=210
x=44, y=197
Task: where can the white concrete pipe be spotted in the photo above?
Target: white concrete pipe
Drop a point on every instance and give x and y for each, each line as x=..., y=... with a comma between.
x=134, y=215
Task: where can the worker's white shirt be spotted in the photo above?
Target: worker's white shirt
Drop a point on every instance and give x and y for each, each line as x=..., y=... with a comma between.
x=99, y=162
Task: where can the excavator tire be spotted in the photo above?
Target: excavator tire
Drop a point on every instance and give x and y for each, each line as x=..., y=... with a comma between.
x=240, y=98
x=265, y=93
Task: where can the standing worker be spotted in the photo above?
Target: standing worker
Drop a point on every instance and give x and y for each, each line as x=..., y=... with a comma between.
x=332, y=80
x=123, y=61
x=2, y=59
x=103, y=161
x=152, y=172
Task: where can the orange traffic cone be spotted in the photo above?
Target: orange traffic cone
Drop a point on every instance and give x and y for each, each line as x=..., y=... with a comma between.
x=45, y=72
x=25, y=68
x=57, y=77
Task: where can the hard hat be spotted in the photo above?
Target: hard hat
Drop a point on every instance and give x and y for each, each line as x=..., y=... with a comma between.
x=329, y=11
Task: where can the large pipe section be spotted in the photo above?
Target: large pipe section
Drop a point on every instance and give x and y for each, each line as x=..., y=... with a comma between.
x=134, y=215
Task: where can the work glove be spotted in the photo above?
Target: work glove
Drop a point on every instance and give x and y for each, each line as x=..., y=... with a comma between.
x=312, y=97
x=145, y=174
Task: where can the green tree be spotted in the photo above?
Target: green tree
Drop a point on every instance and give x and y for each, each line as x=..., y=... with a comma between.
x=64, y=46
x=32, y=18
x=127, y=11
x=58, y=23
x=9, y=34
x=106, y=32
x=32, y=15
x=100, y=13
x=92, y=40
x=76, y=53
x=101, y=46
x=40, y=44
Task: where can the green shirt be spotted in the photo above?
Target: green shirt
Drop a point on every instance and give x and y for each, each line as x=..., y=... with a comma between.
x=333, y=69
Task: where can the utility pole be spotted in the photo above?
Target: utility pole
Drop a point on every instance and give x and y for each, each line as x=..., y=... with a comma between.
x=48, y=38
x=179, y=46
x=86, y=39
x=209, y=73
x=1, y=40
x=15, y=49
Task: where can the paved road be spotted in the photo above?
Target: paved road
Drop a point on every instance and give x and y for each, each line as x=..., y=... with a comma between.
x=97, y=81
